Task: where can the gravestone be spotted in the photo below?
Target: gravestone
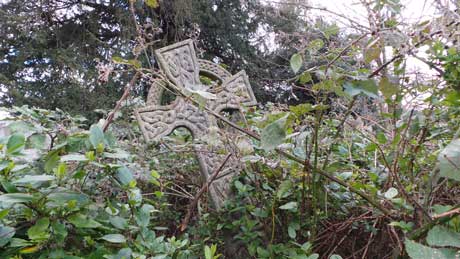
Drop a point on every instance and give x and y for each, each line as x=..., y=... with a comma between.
x=182, y=68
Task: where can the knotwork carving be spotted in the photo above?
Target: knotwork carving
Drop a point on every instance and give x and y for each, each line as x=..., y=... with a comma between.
x=182, y=68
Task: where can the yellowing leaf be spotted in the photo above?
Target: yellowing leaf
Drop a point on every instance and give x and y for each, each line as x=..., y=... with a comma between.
x=29, y=250
x=151, y=3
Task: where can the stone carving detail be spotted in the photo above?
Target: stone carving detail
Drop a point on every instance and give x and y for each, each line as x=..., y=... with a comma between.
x=182, y=68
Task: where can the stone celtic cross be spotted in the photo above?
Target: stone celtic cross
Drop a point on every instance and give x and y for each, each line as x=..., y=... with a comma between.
x=183, y=69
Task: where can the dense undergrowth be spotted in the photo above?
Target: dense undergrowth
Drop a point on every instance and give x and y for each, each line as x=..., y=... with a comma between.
x=368, y=169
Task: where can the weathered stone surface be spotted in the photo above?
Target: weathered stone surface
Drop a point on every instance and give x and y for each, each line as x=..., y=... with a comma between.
x=181, y=66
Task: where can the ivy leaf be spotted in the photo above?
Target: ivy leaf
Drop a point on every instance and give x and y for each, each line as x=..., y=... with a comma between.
x=441, y=236
x=114, y=238
x=15, y=144
x=296, y=62
x=449, y=161
x=274, y=134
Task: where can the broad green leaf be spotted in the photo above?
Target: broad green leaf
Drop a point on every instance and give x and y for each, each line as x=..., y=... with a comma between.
x=81, y=221
x=96, y=136
x=3, y=213
x=114, y=238
x=366, y=87
x=335, y=257
x=371, y=54
x=119, y=222
x=387, y=88
x=151, y=3
x=274, y=134
x=15, y=198
x=64, y=197
x=305, y=77
x=36, y=141
x=418, y=251
x=33, y=179
x=292, y=205
x=441, y=236
x=449, y=161
x=207, y=252
x=59, y=230
x=6, y=233
x=52, y=160
x=284, y=189
x=39, y=231
x=9, y=187
x=15, y=144
x=74, y=157
x=124, y=175
x=292, y=231
x=296, y=62
x=21, y=127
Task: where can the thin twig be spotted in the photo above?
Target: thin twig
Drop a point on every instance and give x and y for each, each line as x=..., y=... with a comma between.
x=125, y=95
x=203, y=189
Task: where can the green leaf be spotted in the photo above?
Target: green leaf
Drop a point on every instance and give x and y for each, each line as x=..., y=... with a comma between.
x=418, y=251
x=96, y=136
x=387, y=88
x=274, y=134
x=15, y=144
x=15, y=198
x=59, y=231
x=33, y=179
x=292, y=228
x=6, y=233
x=81, y=221
x=296, y=62
x=64, y=197
x=289, y=206
x=124, y=175
x=74, y=157
x=39, y=231
x=36, y=141
x=52, y=160
x=119, y=222
x=305, y=77
x=335, y=257
x=449, y=161
x=3, y=213
x=371, y=54
x=366, y=87
x=207, y=252
x=391, y=193
x=9, y=187
x=114, y=238
x=441, y=236
x=151, y=3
